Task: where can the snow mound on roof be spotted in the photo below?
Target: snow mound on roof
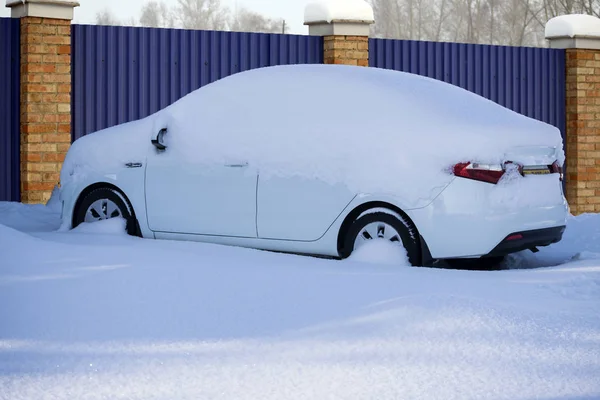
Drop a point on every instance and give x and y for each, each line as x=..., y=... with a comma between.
x=375, y=130
x=332, y=10
x=572, y=25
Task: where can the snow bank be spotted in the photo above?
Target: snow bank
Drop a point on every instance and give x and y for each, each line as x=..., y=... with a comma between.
x=572, y=25
x=54, y=204
x=147, y=319
x=375, y=130
x=112, y=226
x=29, y=218
x=336, y=10
x=381, y=252
x=12, y=238
x=22, y=255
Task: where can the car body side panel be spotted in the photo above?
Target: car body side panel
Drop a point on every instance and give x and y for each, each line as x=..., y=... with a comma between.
x=326, y=245
x=298, y=209
x=462, y=221
x=191, y=198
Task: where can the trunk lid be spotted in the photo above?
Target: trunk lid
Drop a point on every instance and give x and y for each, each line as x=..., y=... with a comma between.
x=532, y=156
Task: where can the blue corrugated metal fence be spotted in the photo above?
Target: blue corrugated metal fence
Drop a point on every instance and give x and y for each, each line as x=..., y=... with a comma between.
x=9, y=109
x=528, y=80
x=123, y=73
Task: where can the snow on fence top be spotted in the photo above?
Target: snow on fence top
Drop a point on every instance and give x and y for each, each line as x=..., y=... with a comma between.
x=338, y=10
x=573, y=25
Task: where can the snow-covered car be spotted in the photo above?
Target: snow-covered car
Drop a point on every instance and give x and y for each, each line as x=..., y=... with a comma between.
x=320, y=159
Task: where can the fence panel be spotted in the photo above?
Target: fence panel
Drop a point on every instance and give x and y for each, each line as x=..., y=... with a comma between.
x=121, y=74
x=9, y=109
x=527, y=80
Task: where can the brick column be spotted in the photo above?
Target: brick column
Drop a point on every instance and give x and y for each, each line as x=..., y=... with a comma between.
x=583, y=130
x=345, y=32
x=45, y=93
x=347, y=50
x=582, y=52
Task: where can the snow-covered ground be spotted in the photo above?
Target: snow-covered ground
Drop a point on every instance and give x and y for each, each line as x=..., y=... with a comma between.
x=94, y=314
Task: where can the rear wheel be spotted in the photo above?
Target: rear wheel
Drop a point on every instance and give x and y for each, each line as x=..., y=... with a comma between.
x=382, y=225
x=105, y=203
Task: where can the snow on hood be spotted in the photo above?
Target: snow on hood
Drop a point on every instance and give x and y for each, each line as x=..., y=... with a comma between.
x=376, y=130
x=107, y=150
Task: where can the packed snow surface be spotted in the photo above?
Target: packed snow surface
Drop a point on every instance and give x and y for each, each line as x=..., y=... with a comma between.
x=376, y=130
x=382, y=252
x=111, y=226
x=573, y=25
x=100, y=315
x=338, y=10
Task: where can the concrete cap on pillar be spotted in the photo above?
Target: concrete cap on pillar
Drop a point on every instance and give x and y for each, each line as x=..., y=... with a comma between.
x=338, y=17
x=574, y=31
x=58, y=9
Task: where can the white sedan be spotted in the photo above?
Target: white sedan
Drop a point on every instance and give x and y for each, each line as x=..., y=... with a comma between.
x=321, y=159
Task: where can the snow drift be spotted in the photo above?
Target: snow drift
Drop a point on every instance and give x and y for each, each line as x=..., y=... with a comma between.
x=115, y=317
x=374, y=130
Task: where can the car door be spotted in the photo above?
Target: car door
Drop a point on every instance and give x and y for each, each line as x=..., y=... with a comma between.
x=189, y=198
x=299, y=209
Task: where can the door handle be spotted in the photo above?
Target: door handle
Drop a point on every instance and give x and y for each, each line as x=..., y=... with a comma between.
x=238, y=165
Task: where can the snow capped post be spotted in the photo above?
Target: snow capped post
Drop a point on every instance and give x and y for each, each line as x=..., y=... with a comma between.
x=344, y=25
x=45, y=92
x=57, y=9
x=579, y=35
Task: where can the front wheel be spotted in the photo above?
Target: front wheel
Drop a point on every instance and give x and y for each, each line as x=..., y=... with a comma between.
x=104, y=203
x=382, y=225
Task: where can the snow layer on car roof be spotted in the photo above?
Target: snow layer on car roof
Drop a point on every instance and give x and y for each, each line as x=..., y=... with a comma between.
x=375, y=130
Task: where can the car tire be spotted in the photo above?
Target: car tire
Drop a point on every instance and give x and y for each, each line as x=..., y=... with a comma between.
x=404, y=229
x=105, y=203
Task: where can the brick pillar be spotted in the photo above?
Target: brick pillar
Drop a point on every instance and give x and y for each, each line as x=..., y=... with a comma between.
x=583, y=130
x=45, y=93
x=582, y=52
x=345, y=32
x=347, y=50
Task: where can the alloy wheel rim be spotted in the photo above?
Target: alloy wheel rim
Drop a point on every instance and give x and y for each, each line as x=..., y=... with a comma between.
x=377, y=230
x=102, y=209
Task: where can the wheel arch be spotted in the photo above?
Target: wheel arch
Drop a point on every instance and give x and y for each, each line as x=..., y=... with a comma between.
x=105, y=185
x=371, y=205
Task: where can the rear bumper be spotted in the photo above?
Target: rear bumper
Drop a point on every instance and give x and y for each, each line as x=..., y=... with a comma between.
x=472, y=219
x=518, y=241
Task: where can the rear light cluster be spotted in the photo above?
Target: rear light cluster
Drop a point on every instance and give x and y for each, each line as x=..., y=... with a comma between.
x=479, y=172
x=493, y=173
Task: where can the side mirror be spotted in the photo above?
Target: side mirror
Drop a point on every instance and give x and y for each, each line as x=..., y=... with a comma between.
x=158, y=141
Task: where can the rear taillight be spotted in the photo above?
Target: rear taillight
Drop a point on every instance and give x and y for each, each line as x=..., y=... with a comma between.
x=493, y=173
x=557, y=169
x=479, y=172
